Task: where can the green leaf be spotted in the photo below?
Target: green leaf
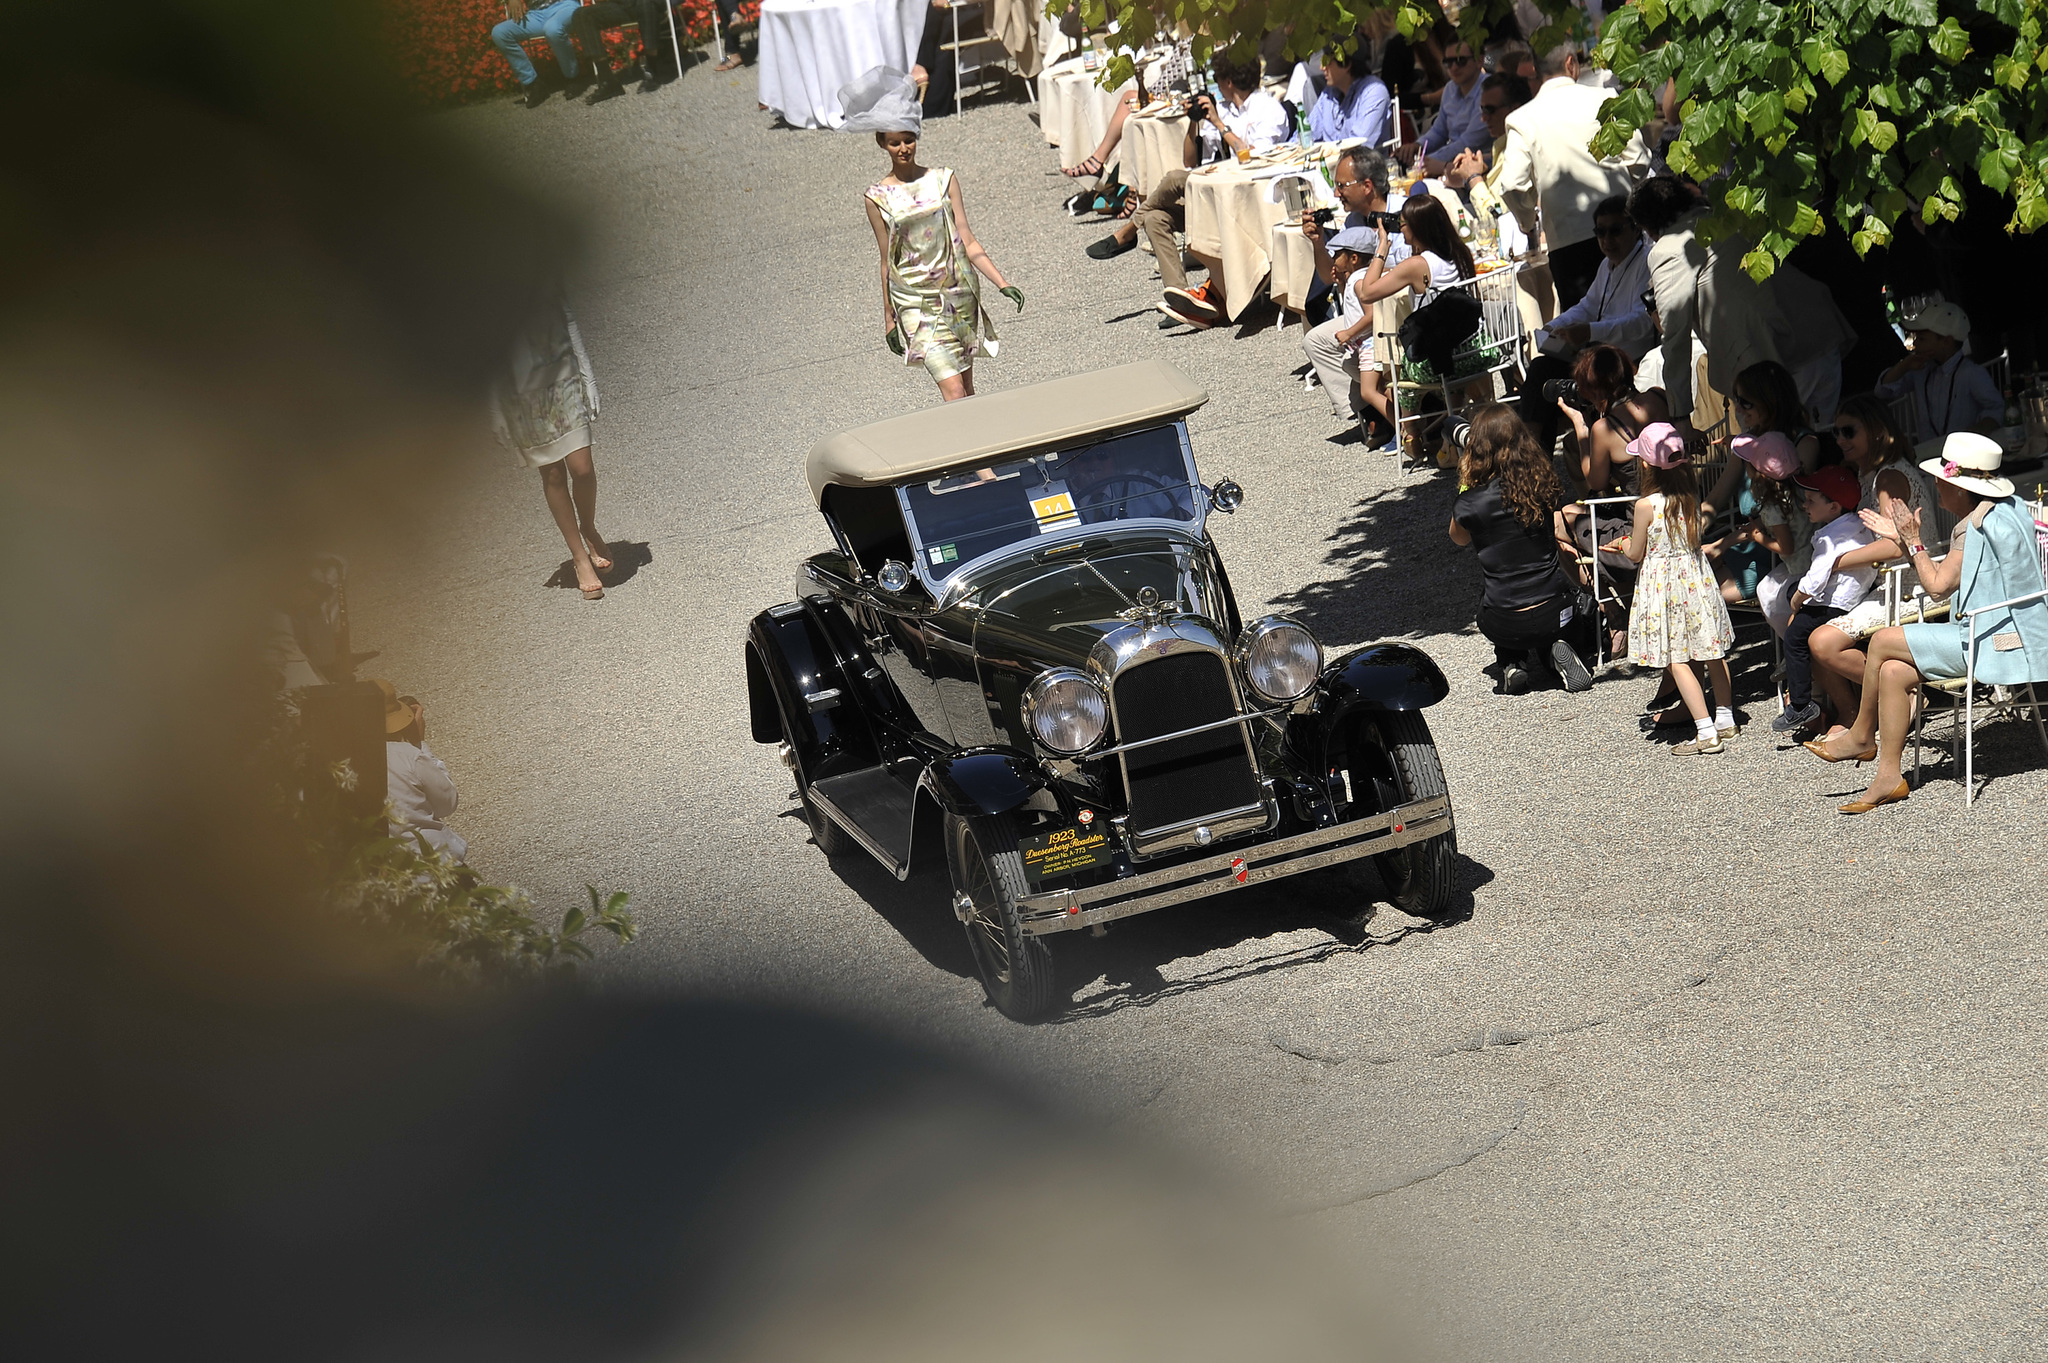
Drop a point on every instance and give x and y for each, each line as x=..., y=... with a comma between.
x=1864, y=125
x=1654, y=13
x=1760, y=264
x=572, y=922
x=1996, y=168
x=1765, y=112
x=1949, y=42
x=1884, y=134
x=1834, y=64
x=1919, y=13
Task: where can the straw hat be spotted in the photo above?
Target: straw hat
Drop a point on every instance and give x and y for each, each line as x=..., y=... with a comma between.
x=1971, y=462
x=398, y=716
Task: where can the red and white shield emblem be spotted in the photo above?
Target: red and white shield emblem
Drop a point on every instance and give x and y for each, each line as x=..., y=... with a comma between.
x=1086, y=816
x=1239, y=872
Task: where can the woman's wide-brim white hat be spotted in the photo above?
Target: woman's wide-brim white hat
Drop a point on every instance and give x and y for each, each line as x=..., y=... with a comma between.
x=881, y=100
x=1971, y=462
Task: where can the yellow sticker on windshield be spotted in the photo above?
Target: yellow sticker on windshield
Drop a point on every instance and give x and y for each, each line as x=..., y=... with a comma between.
x=1054, y=510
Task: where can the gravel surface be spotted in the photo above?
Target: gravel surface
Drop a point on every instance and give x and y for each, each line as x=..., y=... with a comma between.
x=1709, y=1071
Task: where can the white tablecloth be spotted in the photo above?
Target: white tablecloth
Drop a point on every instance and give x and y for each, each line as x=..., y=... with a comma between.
x=1073, y=111
x=1152, y=146
x=810, y=48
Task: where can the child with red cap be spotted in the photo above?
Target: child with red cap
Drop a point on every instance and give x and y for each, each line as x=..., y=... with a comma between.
x=1831, y=495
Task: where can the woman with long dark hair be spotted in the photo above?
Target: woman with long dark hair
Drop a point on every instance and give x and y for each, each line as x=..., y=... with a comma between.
x=1509, y=493
x=1437, y=259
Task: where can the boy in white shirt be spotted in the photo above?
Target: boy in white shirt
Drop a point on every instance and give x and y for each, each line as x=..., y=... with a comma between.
x=1832, y=495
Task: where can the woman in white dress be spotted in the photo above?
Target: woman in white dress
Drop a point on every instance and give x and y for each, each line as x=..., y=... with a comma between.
x=546, y=401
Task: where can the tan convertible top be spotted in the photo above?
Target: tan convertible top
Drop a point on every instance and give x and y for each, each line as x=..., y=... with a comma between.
x=980, y=430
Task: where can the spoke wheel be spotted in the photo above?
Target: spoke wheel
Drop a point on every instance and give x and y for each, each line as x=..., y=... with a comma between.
x=1398, y=744
x=1015, y=968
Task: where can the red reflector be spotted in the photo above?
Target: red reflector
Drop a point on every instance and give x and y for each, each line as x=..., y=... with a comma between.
x=1074, y=909
x=1398, y=827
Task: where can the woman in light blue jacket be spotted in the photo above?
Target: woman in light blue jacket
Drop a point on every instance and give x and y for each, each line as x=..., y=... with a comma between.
x=1994, y=556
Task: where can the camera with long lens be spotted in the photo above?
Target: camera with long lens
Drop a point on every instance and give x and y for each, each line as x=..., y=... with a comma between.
x=1390, y=222
x=1457, y=429
x=1567, y=392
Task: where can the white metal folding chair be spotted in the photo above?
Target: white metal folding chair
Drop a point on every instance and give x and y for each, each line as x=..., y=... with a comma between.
x=1495, y=348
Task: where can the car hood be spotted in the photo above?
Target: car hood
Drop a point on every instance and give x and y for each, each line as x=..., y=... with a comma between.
x=1048, y=610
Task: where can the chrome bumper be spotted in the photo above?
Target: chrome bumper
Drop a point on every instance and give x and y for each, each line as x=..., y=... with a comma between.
x=1064, y=910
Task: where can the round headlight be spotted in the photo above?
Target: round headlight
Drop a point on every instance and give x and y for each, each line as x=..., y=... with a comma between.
x=1066, y=711
x=1280, y=659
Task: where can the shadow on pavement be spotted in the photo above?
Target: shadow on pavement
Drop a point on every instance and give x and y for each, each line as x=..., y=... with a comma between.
x=628, y=558
x=1128, y=959
x=1392, y=569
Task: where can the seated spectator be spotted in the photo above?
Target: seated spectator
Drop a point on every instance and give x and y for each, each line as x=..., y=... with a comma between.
x=1363, y=181
x=419, y=789
x=1459, y=125
x=1766, y=399
x=1826, y=590
x=1772, y=524
x=1993, y=556
x=1248, y=119
x=1354, y=105
x=1951, y=392
x=729, y=21
x=1341, y=348
x=1473, y=173
x=1509, y=493
x=1884, y=467
x=1611, y=313
x=657, y=51
x=551, y=21
x=1512, y=57
x=1790, y=318
x=1677, y=618
x=1618, y=411
x=1434, y=260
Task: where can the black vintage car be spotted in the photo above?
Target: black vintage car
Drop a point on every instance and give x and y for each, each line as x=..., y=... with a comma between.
x=1024, y=643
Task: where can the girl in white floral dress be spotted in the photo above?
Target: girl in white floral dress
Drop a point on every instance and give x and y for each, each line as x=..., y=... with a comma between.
x=1677, y=617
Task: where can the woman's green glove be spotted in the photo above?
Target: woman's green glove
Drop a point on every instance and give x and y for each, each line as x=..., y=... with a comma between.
x=1014, y=294
x=894, y=337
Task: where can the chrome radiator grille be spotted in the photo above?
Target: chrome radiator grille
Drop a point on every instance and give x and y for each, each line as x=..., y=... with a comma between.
x=1186, y=779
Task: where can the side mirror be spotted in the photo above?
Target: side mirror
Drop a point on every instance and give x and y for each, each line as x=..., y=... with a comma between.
x=894, y=577
x=1226, y=496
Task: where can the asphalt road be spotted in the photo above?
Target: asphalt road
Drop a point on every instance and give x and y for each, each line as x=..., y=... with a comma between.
x=1709, y=1072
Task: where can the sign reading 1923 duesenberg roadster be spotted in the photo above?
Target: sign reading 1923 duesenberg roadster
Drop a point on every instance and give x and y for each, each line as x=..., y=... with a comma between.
x=1025, y=642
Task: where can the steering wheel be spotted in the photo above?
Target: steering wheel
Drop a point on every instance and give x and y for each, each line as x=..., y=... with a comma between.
x=1113, y=494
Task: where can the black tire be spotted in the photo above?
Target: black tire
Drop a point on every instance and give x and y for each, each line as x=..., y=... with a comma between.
x=1015, y=968
x=1418, y=876
x=830, y=838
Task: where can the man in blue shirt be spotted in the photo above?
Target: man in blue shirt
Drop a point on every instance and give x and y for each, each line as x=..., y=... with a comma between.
x=1354, y=103
x=1459, y=124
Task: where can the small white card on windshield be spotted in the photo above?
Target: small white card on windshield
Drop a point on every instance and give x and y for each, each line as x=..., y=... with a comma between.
x=1054, y=507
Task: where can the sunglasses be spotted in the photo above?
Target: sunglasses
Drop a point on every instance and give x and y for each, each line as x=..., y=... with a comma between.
x=1458, y=61
x=1744, y=403
x=1848, y=432
x=1618, y=230
x=1491, y=109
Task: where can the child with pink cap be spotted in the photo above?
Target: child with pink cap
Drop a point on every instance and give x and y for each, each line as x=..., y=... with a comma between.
x=1677, y=617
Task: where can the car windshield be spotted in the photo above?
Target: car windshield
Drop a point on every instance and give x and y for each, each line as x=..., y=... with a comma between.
x=965, y=516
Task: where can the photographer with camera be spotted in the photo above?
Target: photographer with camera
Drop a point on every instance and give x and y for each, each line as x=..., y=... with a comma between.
x=1606, y=413
x=1509, y=492
x=1238, y=117
x=1612, y=313
x=1341, y=359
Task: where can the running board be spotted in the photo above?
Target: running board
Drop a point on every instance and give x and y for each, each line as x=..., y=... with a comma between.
x=874, y=809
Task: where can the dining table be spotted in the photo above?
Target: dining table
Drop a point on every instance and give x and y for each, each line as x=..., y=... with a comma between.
x=1152, y=144
x=1233, y=207
x=810, y=49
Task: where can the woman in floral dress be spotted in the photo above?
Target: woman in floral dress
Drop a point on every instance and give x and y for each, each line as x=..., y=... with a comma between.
x=1677, y=618
x=931, y=302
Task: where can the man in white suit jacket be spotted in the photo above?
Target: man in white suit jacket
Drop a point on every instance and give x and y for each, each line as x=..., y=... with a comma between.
x=1790, y=317
x=1547, y=167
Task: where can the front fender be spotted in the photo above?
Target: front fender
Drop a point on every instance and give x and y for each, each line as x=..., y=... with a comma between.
x=1383, y=676
x=796, y=684
x=984, y=782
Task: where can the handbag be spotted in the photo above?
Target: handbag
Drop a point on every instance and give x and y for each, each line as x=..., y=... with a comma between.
x=1435, y=330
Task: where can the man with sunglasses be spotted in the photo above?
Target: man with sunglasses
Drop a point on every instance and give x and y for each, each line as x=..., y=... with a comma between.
x=1459, y=125
x=1611, y=313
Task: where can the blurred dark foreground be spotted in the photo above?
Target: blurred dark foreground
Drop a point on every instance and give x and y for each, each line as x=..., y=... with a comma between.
x=247, y=304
